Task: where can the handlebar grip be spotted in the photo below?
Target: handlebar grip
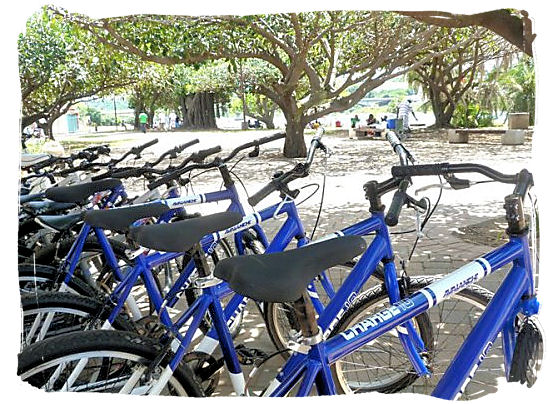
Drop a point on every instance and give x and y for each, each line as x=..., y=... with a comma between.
x=399, y=199
x=263, y=193
x=163, y=180
x=139, y=149
x=418, y=170
x=132, y=172
x=202, y=154
x=268, y=139
x=107, y=174
x=184, y=146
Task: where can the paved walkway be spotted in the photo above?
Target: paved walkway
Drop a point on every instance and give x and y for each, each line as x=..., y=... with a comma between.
x=445, y=246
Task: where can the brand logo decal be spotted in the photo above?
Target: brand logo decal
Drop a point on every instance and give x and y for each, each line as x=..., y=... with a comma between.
x=243, y=224
x=460, y=285
x=377, y=318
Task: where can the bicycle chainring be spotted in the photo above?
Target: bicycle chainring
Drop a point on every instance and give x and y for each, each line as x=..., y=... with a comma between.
x=206, y=369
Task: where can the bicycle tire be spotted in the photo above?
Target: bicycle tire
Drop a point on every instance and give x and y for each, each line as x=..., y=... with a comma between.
x=72, y=313
x=110, y=350
x=372, y=300
x=38, y=278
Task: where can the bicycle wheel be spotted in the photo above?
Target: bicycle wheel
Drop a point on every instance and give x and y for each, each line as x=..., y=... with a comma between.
x=382, y=364
x=280, y=320
x=92, y=264
x=101, y=361
x=49, y=314
x=38, y=278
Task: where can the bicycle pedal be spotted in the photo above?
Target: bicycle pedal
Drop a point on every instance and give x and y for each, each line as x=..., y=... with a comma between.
x=248, y=356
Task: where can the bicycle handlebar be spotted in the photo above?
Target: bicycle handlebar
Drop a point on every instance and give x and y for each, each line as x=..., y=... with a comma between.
x=448, y=168
x=174, y=151
x=398, y=200
x=201, y=155
x=196, y=157
x=137, y=150
x=400, y=197
x=254, y=143
x=299, y=171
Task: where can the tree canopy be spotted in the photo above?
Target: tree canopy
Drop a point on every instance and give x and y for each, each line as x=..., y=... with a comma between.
x=321, y=62
x=446, y=79
x=61, y=64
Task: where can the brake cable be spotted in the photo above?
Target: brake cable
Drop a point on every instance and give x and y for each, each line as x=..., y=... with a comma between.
x=322, y=196
x=428, y=216
x=313, y=184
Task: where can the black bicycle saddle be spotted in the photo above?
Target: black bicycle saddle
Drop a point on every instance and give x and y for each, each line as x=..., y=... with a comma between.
x=181, y=236
x=80, y=192
x=119, y=219
x=283, y=277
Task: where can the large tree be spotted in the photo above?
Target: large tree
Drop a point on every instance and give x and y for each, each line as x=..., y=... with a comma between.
x=446, y=78
x=325, y=61
x=61, y=64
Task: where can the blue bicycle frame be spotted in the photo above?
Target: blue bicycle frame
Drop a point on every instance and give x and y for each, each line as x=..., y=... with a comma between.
x=379, y=250
x=515, y=295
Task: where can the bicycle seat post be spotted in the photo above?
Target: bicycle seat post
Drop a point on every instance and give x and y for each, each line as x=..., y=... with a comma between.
x=305, y=314
x=203, y=269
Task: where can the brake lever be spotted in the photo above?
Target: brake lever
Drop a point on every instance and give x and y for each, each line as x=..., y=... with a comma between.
x=255, y=152
x=457, y=183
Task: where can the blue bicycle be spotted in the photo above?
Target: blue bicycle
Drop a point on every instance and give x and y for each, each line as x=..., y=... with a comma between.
x=209, y=299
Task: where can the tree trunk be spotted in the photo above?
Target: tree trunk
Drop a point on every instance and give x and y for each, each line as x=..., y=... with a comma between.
x=269, y=122
x=136, y=119
x=442, y=110
x=295, y=145
x=150, y=116
x=47, y=127
x=442, y=117
x=198, y=111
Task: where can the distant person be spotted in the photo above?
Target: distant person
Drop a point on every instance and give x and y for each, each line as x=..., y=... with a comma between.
x=143, y=122
x=405, y=108
x=371, y=120
x=354, y=121
x=178, y=121
x=338, y=124
x=172, y=120
x=162, y=121
x=257, y=124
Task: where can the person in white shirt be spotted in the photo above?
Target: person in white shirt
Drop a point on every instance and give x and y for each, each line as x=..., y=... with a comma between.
x=162, y=121
x=172, y=120
x=405, y=108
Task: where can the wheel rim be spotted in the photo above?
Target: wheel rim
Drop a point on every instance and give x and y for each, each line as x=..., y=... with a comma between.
x=103, y=371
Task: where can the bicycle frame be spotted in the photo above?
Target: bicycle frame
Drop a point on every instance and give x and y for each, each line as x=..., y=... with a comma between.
x=498, y=317
x=379, y=250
